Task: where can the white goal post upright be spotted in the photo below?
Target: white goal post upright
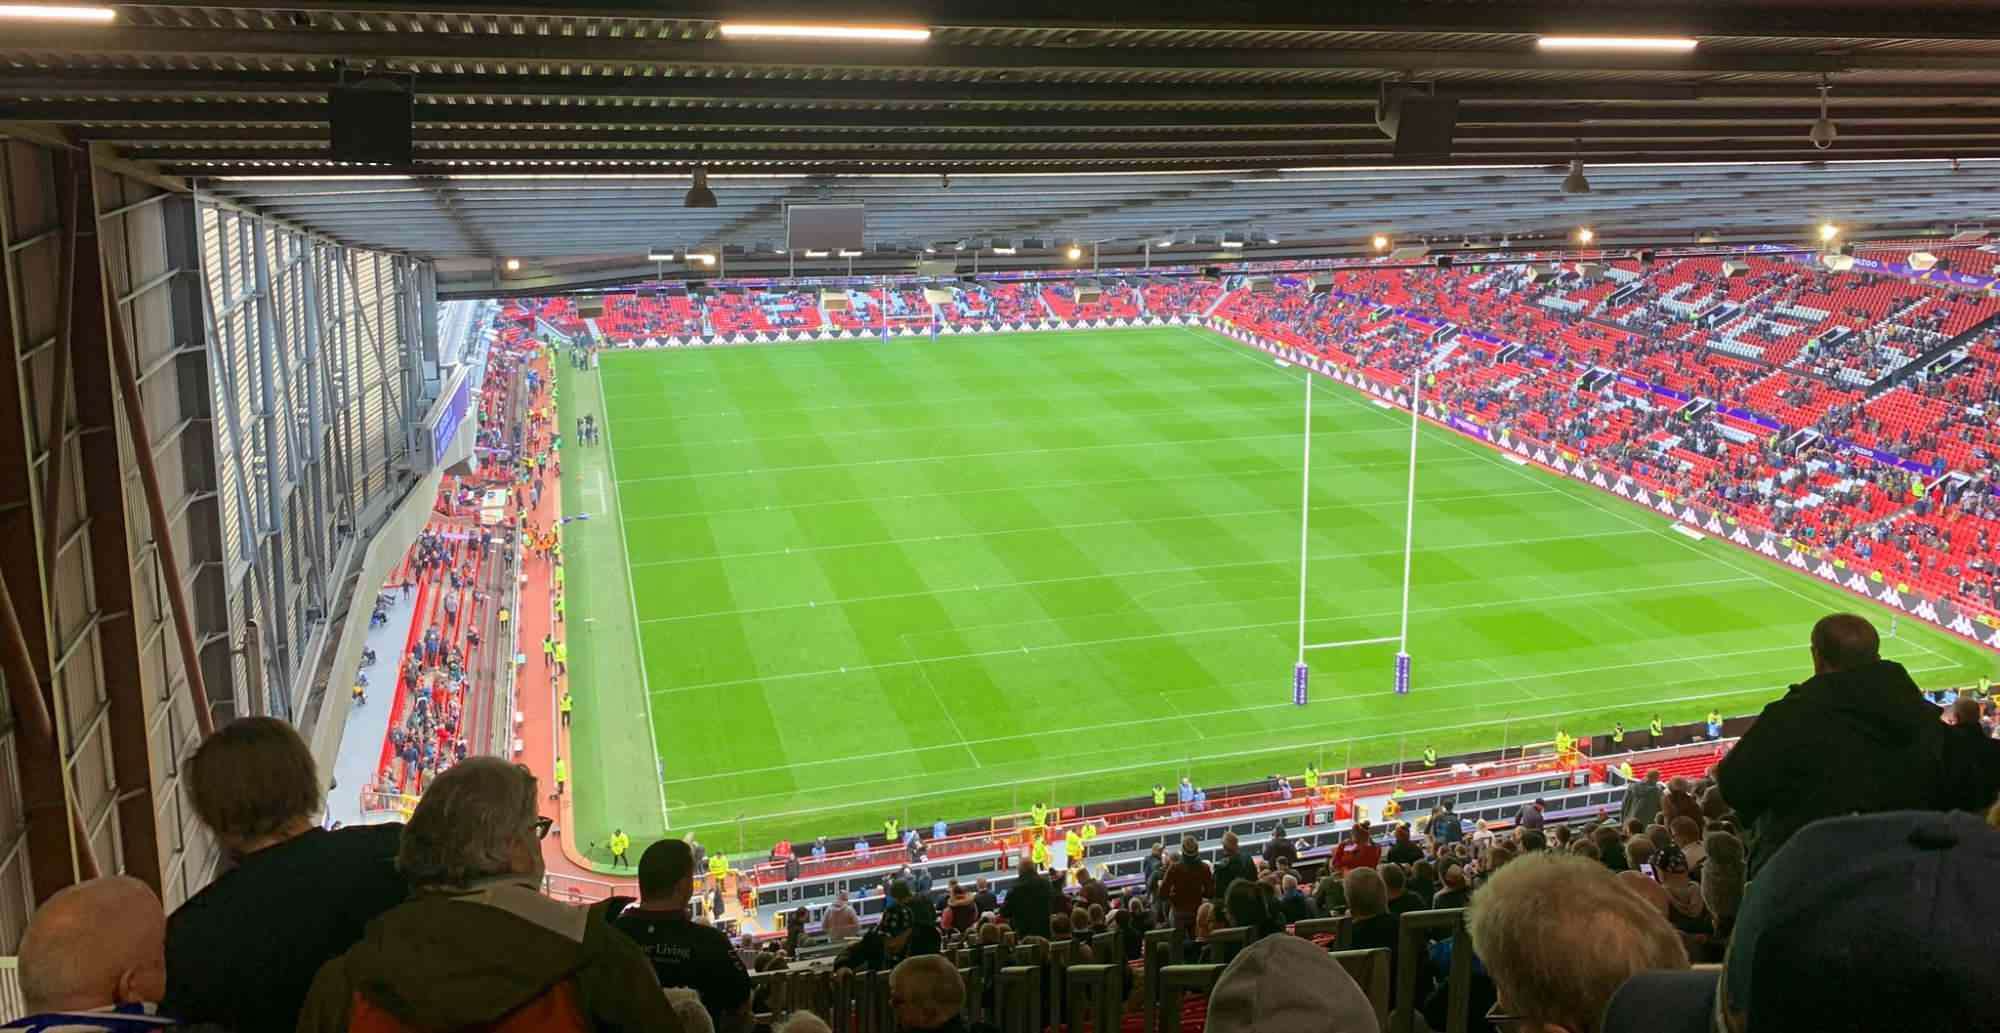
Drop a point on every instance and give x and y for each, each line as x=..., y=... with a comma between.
x=1402, y=636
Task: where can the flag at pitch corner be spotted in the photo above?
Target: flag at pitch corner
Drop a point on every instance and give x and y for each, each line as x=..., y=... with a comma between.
x=934, y=324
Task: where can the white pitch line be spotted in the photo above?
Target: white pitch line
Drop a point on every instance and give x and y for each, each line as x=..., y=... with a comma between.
x=1038, y=421
x=1110, y=575
x=938, y=400
x=1232, y=755
x=1252, y=708
x=945, y=709
x=1098, y=447
x=1019, y=343
x=1127, y=522
x=1225, y=475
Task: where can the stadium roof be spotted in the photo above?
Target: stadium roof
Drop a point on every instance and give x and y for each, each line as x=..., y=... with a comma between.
x=1229, y=92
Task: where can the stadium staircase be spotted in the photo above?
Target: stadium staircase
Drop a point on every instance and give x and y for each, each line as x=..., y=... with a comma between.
x=1964, y=339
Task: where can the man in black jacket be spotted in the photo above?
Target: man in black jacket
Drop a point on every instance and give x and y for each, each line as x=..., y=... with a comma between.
x=1026, y=908
x=1233, y=865
x=1855, y=738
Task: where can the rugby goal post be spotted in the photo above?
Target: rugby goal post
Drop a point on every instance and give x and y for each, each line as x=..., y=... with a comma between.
x=1301, y=671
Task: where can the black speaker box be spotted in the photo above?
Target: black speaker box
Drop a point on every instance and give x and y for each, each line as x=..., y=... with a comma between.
x=373, y=121
x=1426, y=127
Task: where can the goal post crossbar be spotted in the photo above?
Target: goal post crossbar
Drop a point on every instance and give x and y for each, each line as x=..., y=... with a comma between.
x=1353, y=642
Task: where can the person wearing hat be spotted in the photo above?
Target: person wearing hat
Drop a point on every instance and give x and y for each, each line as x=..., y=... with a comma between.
x=1285, y=984
x=1864, y=922
x=1188, y=884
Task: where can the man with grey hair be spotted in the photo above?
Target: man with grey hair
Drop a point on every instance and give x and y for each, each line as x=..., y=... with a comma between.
x=1559, y=935
x=928, y=994
x=478, y=943
x=94, y=958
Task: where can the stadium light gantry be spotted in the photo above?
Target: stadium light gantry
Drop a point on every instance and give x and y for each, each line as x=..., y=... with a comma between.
x=1585, y=235
x=1381, y=242
x=513, y=265
x=1074, y=252
x=1828, y=231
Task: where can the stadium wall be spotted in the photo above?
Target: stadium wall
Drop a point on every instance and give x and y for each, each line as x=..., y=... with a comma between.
x=1694, y=519
x=319, y=374
x=102, y=305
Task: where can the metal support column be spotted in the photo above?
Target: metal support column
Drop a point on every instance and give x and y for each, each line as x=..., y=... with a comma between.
x=111, y=558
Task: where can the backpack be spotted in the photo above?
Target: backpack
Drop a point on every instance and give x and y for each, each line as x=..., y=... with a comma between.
x=559, y=1009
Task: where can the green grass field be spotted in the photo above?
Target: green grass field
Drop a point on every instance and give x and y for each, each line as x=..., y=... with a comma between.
x=857, y=580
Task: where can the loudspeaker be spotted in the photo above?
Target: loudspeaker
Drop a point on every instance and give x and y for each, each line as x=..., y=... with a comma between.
x=1732, y=268
x=1643, y=256
x=1443, y=261
x=373, y=121
x=590, y=307
x=1421, y=125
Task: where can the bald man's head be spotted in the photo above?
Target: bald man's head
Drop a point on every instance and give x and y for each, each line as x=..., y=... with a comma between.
x=927, y=992
x=93, y=945
x=1844, y=641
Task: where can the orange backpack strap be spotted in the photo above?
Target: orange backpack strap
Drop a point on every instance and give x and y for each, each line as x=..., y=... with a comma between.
x=559, y=1009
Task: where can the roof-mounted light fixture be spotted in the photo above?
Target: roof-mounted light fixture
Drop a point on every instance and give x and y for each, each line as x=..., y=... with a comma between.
x=84, y=13
x=843, y=33
x=1657, y=44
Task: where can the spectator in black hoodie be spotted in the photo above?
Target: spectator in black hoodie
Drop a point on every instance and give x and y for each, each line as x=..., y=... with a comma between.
x=1855, y=738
